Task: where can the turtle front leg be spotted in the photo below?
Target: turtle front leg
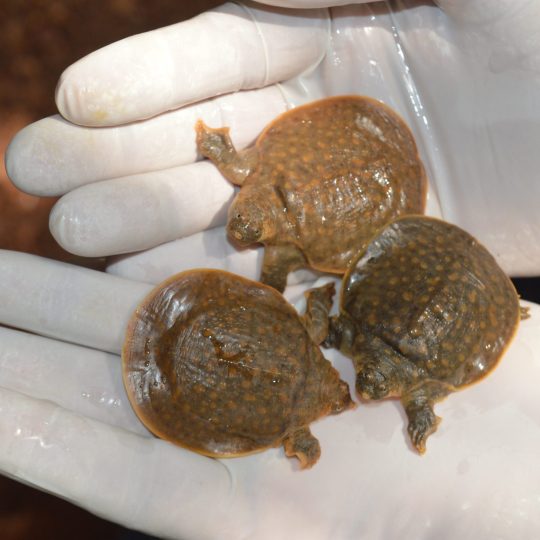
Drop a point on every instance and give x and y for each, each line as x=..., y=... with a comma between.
x=302, y=444
x=216, y=145
x=278, y=261
x=341, y=334
x=318, y=305
x=419, y=408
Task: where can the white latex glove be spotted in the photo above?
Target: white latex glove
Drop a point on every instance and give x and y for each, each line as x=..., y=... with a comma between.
x=66, y=426
x=467, y=82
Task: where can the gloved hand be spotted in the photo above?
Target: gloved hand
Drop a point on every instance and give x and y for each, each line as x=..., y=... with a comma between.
x=66, y=425
x=467, y=83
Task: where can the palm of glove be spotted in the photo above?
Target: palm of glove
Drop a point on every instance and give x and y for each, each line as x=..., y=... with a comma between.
x=66, y=424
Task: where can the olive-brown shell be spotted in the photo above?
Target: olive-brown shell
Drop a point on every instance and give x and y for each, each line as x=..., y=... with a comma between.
x=343, y=167
x=222, y=365
x=432, y=293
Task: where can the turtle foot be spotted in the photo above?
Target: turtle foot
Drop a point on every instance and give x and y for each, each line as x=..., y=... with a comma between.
x=212, y=142
x=422, y=423
x=304, y=446
x=278, y=261
x=216, y=145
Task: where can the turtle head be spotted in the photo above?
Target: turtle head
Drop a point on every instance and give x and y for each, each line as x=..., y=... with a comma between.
x=377, y=380
x=335, y=393
x=253, y=215
x=342, y=399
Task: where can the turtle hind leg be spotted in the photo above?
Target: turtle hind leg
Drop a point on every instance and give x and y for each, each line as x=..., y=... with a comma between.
x=419, y=408
x=318, y=305
x=278, y=261
x=216, y=145
x=524, y=312
x=302, y=444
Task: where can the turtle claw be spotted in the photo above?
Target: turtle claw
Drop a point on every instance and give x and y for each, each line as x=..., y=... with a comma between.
x=304, y=446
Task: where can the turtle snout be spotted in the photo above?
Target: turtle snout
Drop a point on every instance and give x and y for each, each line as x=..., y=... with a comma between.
x=243, y=229
x=343, y=400
x=372, y=384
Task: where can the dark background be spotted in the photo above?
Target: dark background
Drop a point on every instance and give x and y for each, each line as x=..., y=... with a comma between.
x=38, y=40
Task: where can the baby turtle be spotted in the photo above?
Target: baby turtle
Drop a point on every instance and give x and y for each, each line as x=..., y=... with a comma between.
x=425, y=310
x=319, y=182
x=225, y=366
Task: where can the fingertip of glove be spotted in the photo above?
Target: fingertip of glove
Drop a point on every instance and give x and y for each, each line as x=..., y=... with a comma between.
x=73, y=100
x=10, y=161
x=66, y=229
x=35, y=158
x=19, y=162
x=63, y=97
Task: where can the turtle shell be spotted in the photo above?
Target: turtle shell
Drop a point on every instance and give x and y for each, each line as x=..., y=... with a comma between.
x=433, y=294
x=343, y=167
x=222, y=365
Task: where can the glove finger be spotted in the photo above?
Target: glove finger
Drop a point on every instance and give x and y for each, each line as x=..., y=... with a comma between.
x=85, y=381
x=141, y=482
x=207, y=249
x=76, y=304
x=230, y=48
x=139, y=212
x=67, y=302
x=52, y=156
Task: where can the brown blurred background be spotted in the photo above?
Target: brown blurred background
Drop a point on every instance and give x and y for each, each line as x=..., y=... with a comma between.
x=38, y=40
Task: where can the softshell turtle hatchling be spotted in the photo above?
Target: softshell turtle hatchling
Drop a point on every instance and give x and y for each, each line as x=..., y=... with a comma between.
x=225, y=366
x=318, y=183
x=425, y=310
